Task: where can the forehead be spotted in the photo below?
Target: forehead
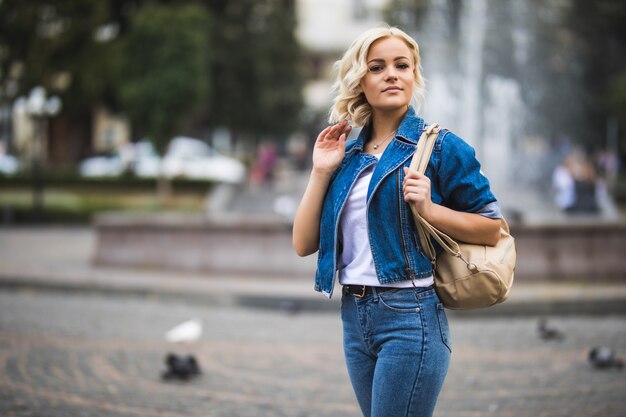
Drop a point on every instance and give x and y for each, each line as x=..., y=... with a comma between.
x=388, y=47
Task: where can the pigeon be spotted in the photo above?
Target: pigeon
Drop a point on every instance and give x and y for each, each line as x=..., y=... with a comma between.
x=180, y=367
x=602, y=357
x=186, y=332
x=548, y=333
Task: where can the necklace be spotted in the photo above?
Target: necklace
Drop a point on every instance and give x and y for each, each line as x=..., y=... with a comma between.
x=376, y=145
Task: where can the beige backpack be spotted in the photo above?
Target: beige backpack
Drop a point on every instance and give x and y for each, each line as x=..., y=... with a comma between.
x=466, y=275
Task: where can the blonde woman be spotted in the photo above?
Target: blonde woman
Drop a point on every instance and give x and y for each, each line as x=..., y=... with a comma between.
x=355, y=213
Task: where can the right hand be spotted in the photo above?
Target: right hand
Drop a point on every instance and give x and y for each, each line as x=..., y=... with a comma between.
x=330, y=147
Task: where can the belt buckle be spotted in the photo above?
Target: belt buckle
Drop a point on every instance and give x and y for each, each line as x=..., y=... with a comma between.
x=363, y=288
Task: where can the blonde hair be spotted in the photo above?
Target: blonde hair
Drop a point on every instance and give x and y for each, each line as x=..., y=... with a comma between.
x=350, y=102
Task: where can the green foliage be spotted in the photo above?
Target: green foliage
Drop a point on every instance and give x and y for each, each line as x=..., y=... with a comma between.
x=258, y=88
x=617, y=88
x=223, y=63
x=42, y=41
x=164, y=74
x=601, y=34
x=276, y=54
x=70, y=199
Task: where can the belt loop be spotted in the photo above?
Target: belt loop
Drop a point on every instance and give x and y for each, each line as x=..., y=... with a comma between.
x=375, y=294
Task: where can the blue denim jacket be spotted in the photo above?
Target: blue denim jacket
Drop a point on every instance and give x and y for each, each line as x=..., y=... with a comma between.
x=456, y=182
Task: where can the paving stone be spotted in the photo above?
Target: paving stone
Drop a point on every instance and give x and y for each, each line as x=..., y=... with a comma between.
x=93, y=355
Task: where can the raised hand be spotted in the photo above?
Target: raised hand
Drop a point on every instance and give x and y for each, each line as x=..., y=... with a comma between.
x=330, y=147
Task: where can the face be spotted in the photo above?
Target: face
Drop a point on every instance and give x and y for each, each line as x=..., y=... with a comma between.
x=388, y=84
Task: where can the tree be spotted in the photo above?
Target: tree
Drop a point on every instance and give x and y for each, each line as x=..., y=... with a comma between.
x=53, y=44
x=164, y=76
x=240, y=70
x=601, y=25
x=277, y=73
x=258, y=81
x=163, y=73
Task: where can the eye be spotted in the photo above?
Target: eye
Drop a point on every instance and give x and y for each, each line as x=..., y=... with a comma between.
x=403, y=66
x=376, y=68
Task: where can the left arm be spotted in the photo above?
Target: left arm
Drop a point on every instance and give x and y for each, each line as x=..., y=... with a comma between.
x=466, y=227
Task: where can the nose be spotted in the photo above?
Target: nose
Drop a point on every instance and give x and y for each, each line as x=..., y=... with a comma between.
x=391, y=74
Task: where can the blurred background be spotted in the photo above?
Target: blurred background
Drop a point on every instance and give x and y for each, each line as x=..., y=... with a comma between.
x=90, y=102
x=153, y=154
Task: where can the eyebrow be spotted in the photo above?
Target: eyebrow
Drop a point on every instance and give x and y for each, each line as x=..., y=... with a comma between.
x=382, y=60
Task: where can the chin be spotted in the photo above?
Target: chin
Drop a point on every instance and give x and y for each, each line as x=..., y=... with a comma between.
x=387, y=106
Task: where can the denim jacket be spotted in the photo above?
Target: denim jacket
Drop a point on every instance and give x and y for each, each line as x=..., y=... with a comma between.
x=456, y=182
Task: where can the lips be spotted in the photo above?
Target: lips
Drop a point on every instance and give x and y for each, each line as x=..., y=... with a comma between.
x=393, y=88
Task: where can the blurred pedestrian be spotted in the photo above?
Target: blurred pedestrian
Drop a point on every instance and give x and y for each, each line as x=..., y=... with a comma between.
x=564, y=183
x=263, y=170
x=586, y=189
x=355, y=211
x=575, y=185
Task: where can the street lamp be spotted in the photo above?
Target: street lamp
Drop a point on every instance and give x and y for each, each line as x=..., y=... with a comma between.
x=39, y=108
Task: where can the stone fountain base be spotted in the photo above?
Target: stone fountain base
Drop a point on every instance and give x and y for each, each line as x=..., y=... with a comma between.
x=581, y=250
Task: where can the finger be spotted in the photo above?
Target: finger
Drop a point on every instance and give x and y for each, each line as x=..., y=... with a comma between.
x=335, y=131
x=411, y=182
x=418, y=176
x=411, y=173
x=415, y=197
x=421, y=190
x=324, y=133
x=343, y=127
x=415, y=190
x=412, y=197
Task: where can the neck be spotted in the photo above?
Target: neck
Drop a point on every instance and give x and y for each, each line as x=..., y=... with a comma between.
x=385, y=122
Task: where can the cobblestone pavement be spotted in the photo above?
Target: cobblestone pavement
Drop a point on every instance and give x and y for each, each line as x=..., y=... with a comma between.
x=90, y=355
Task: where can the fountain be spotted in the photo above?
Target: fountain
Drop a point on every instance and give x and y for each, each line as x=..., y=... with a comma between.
x=483, y=84
x=486, y=81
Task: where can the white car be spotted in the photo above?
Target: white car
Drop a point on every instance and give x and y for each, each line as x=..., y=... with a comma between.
x=146, y=160
x=9, y=165
x=192, y=158
x=102, y=166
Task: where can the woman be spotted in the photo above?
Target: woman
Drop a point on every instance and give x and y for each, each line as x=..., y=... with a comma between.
x=355, y=212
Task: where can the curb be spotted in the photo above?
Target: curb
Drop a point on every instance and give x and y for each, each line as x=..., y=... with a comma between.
x=595, y=306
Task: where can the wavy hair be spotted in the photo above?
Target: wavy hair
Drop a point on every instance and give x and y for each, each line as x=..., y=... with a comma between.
x=350, y=101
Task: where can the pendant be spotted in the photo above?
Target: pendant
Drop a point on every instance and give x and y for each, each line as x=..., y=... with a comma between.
x=375, y=146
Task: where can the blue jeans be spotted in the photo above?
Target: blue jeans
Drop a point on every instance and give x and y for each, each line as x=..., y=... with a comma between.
x=397, y=348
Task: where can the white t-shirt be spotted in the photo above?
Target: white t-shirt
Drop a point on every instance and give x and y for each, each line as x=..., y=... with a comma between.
x=565, y=187
x=356, y=264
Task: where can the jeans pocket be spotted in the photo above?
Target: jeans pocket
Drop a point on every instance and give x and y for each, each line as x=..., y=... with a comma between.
x=402, y=300
x=444, y=329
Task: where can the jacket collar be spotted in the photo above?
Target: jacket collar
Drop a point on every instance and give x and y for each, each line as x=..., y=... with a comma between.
x=410, y=129
x=411, y=126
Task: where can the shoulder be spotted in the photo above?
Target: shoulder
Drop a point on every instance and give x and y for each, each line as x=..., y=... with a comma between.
x=451, y=144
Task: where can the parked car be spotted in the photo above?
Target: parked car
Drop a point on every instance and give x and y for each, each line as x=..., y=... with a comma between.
x=192, y=158
x=9, y=165
x=102, y=166
x=146, y=160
